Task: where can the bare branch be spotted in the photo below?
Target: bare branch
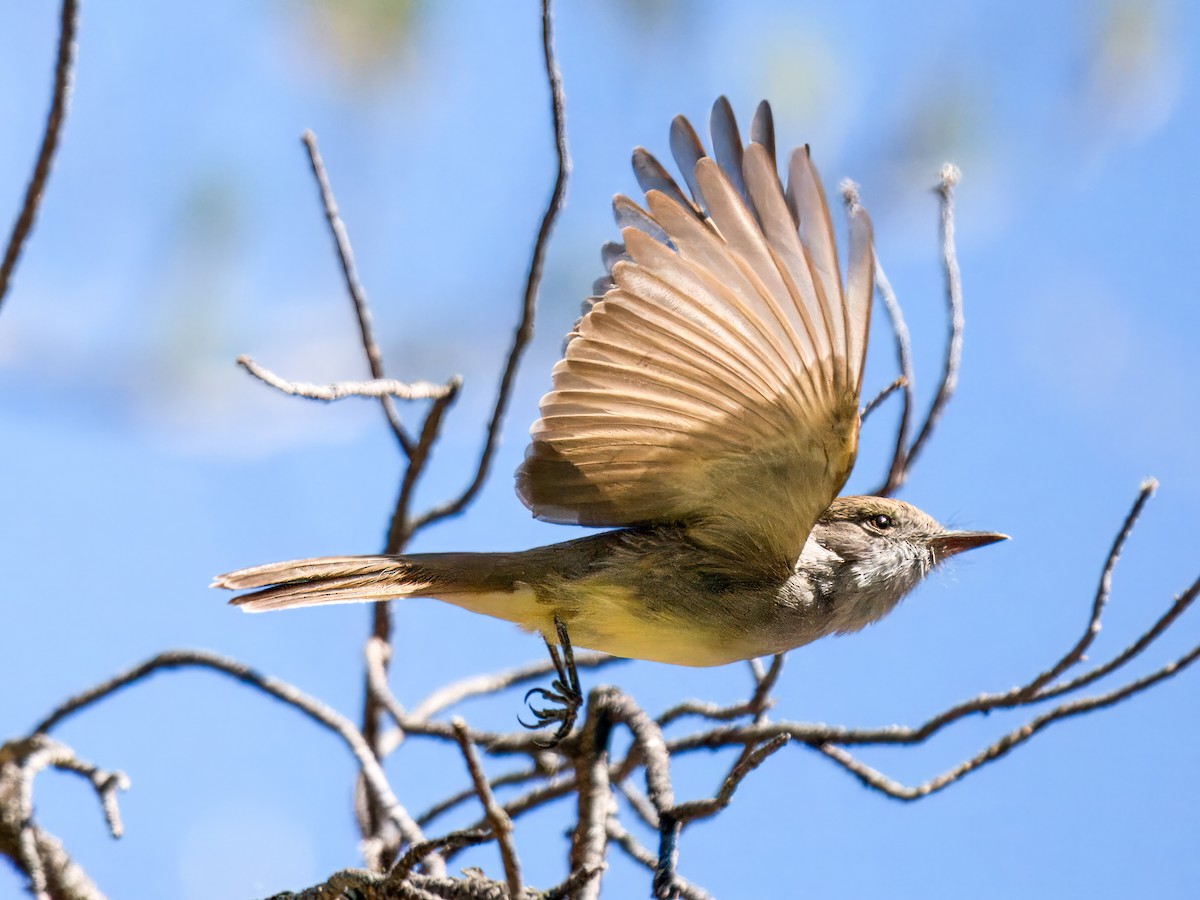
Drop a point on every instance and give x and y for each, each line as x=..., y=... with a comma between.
x=896, y=470
x=105, y=783
x=756, y=706
x=875, y=779
x=532, y=283
x=948, y=179
x=39, y=855
x=638, y=802
x=520, y=777
x=747, y=763
x=1182, y=602
x=280, y=690
x=340, y=390
x=575, y=882
x=341, y=242
x=1075, y=654
x=479, y=685
x=594, y=800
x=881, y=396
x=647, y=737
x=448, y=844
x=401, y=527
x=376, y=653
x=640, y=854
x=64, y=71
x=502, y=826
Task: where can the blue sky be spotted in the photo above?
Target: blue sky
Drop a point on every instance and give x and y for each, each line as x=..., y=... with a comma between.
x=181, y=228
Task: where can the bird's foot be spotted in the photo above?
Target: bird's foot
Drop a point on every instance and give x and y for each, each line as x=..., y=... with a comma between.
x=564, y=693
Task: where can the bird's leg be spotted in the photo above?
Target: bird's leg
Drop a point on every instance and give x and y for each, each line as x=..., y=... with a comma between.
x=564, y=692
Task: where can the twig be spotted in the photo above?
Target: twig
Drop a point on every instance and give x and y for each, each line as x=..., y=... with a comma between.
x=760, y=700
x=502, y=826
x=447, y=844
x=1182, y=602
x=881, y=396
x=814, y=735
x=105, y=783
x=340, y=390
x=594, y=800
x=510, y=778
x=896, y=470
x=532, y=283
x=705, y=709
x=280, y=690
x=647, y=737
x=376, y=654
x=40, y=856
x=874, y=779
x=478, y=685
x=64, y=70
x=1103, y=591
x=640, y=854
x=401, y=527
x=639, y=803
x=699, y=809
x=948, y=178
x=575, y=882
x=341, y=242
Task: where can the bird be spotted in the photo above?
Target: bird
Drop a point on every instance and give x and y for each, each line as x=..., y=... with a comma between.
x=706, y=411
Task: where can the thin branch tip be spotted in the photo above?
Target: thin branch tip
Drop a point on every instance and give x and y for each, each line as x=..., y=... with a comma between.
x=60, y=99
x=850, y=195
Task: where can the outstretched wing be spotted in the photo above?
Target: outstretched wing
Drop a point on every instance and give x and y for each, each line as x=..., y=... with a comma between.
x=715, y=383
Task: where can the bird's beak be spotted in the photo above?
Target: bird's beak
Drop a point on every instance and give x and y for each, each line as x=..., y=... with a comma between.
x=948, y=543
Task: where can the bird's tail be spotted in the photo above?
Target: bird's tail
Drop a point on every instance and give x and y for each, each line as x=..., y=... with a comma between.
x=330, y=579
x=494, y=584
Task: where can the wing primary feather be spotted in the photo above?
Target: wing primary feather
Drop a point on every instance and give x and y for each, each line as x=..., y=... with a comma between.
x=714, y=367
x=618, y=329
x=860, y=281
x=629, y=215
x=687, y=150
x=762, y=130
x=694, y=294
x=704, y=247
x=651, y=176
x=807, y=202
x=742, y=231
x=612, y=253
x=783, y=239
x=727, y=144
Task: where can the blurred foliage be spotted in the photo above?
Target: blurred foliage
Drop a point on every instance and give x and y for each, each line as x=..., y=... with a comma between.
x=1131, y=69
x=363, y=39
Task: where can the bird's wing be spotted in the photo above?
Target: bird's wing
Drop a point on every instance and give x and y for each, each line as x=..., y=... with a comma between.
x=715, y=383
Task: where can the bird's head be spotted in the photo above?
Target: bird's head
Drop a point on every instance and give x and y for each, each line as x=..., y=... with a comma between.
x=885, y=547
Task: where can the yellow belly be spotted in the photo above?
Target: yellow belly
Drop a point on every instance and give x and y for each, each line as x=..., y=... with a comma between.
x=606, y=617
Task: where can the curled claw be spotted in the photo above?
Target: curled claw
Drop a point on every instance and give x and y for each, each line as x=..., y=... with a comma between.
x=564, y=708
x=564, y=693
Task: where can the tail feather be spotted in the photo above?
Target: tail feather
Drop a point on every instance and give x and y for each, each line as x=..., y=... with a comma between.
x=334, y=579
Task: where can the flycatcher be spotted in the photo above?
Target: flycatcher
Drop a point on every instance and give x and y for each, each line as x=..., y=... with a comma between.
x=707, y=409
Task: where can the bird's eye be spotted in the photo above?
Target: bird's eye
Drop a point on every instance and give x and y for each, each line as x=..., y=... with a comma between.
x=881, y=521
